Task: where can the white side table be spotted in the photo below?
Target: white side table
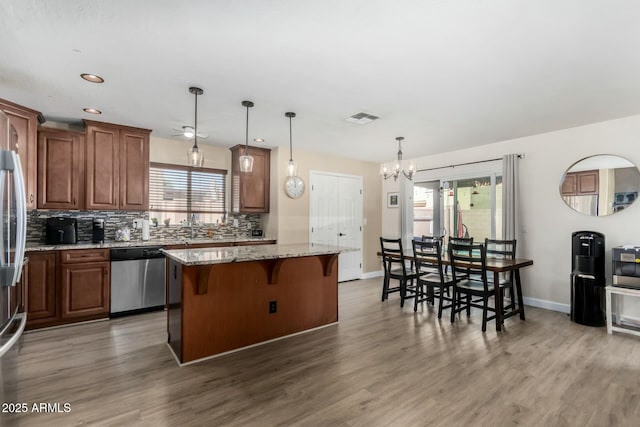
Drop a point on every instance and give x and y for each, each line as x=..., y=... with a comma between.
x=611, y=290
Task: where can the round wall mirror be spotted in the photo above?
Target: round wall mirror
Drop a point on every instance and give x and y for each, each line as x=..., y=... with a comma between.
x=600, y=185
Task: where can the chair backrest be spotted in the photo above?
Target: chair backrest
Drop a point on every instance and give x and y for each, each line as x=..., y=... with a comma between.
x=392, y=254
x=500, y=248
x=461, y=240
x=427, y=257
x=470, y=261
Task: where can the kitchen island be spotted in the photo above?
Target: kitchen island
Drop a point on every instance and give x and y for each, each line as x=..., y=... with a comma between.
x=227, y=298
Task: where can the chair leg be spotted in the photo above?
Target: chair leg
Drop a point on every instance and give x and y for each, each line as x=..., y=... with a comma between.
x=418, y=295
x=512, y=297
x=440, y=303
x=385, y=287
x=485, y=302
x=454, y=302
x=403, y=292
x=468, y=305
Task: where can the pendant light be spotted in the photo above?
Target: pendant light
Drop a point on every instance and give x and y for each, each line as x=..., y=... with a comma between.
x=292, y=169
x=246, y=161
x=195, y=157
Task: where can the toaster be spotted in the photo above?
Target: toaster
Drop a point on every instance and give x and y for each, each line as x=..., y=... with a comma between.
x=61, y=231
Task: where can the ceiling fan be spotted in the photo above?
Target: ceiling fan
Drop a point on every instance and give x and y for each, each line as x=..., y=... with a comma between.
x=187, y=132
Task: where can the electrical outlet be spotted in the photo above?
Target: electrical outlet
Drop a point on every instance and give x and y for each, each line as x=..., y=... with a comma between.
x=273, y=307
x=235, y=222
x=137, y=224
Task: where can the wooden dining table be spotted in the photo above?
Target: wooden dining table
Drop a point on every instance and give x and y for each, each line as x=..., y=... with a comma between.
x=496, y=266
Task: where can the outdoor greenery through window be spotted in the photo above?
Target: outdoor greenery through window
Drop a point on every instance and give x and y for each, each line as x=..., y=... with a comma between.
x=182, y=193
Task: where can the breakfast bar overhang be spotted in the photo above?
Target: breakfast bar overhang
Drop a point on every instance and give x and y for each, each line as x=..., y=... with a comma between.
x=228, y=298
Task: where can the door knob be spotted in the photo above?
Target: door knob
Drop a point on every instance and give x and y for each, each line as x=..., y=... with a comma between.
x=341, y=234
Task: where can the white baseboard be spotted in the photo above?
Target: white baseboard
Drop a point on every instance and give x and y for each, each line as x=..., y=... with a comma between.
x=372, y=274
x=548, y=305
x=628, y=320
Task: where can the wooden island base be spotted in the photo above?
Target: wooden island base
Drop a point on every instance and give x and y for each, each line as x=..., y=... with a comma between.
x=217, y=308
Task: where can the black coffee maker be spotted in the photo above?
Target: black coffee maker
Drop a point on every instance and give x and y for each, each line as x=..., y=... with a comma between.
x=98, y=230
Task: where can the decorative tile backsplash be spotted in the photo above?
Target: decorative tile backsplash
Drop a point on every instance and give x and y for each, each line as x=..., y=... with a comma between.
x=37, y=219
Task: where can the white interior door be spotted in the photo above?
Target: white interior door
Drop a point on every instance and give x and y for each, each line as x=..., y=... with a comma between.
x=336, y=218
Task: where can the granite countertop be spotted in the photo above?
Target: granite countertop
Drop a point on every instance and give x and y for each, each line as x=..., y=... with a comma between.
x=37, y=247
x=249, y=253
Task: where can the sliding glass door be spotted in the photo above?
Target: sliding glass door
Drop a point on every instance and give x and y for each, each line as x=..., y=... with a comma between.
x=469, y=207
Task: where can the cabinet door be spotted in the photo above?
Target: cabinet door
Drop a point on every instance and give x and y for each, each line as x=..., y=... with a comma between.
x=134, y=170
x=588, y=182
x=41, y=286
x=569, y=185
x=250, y=190
x=23, y=141
x=85, y=289
x=60, y=158
x=102, y=177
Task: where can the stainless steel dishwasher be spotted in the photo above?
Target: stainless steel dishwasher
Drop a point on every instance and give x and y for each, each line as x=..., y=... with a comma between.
x=137, y=279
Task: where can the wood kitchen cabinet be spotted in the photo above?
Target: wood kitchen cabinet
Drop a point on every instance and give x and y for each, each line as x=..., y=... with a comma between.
x=250, y=190
x=117, y=167
x=85, y=282
x=581, y=183
x=67, y=286
x=41, y=305
x=60, y=169
x=23, y=141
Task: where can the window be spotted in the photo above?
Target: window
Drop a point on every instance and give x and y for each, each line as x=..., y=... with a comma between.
x=180, y=193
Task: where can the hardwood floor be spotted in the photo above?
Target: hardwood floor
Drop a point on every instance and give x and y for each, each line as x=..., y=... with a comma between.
x=380, y=366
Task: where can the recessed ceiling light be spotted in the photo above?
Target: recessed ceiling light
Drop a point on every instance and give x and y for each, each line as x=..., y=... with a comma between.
x=92, y=111
x=92, y=78
x=258, y=140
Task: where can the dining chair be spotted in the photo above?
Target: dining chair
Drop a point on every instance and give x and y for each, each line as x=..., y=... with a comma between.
x=471, y=261
x=458, y=241
x=503, y=249
x=395, y=267
x=431, y=282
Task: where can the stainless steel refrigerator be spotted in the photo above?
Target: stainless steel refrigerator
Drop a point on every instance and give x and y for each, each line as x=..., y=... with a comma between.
x=13, y=227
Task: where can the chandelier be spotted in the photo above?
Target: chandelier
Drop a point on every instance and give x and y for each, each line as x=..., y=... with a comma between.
x=398, y=166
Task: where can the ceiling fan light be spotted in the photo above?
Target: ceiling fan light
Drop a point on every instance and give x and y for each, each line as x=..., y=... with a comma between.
x=246, y=163
x=188, y=131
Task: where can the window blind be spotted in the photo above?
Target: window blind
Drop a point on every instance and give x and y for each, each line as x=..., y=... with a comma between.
x=174, y=188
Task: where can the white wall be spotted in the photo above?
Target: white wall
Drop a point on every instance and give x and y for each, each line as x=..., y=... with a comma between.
x=547, y=223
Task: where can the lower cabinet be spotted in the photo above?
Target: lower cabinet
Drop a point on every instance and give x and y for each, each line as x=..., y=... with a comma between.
x=41, y=289
x=67, y=286
x=85, y=290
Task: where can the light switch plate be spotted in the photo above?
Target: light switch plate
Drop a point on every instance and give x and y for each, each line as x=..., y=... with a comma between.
x=235, y=222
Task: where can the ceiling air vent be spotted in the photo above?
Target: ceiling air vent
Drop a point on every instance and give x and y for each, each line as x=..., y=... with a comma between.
x=362, y=118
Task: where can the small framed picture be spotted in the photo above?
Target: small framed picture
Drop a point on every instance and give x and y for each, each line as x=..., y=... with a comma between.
x=393, y=200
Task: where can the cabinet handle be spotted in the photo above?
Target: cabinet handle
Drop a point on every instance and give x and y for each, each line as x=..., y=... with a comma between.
x=31, y=198
x=74, y=200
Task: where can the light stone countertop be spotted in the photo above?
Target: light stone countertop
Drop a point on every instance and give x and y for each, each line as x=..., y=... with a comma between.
x=38, y=247
x=249, y=253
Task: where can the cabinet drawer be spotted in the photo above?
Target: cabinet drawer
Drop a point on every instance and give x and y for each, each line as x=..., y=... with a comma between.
x=88, y=255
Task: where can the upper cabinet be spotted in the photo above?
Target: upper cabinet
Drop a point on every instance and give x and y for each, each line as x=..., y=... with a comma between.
x=117, y=167
x=250, y=190
x=580, y=183
x=23, y=141
x=60, y=169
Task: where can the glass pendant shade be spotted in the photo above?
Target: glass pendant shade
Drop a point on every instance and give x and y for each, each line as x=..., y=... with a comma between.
x=292, y=168
x=195, y=157
x=246, y=160
x=246, y=163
